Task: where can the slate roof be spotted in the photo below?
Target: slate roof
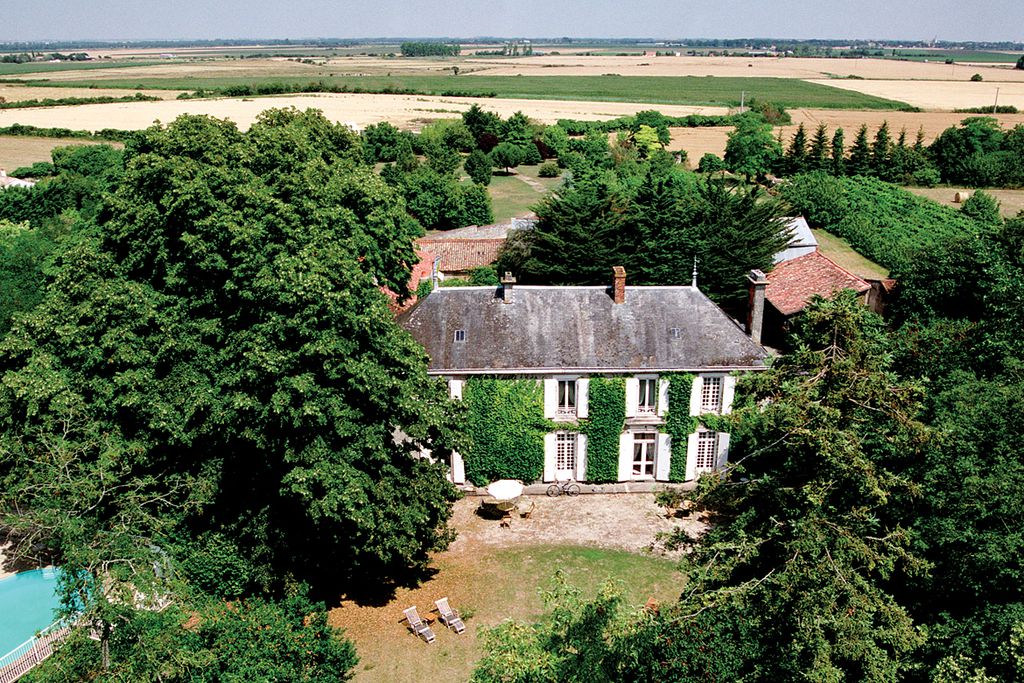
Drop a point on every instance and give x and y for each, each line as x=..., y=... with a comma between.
x=461, y=255
x=802, y=240
x=578, y=329
x=791, y=284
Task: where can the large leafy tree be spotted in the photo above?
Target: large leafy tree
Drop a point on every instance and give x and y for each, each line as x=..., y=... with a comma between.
x=752, y=150
x=808, y=533
x=222, y=330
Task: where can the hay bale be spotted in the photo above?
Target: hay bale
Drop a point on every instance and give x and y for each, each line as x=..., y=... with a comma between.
x=961, y=197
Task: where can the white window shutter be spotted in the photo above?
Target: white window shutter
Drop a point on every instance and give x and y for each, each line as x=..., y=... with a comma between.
x=728, y=390
x=550, y=448
x=695, y=391
x=458, y=472
x=455, y=388
x=582, y=398
x=625, y=456
x=663, y=457
x=723, y=450
x=691, y=457
x=550, y=398
x=581, y=457
x=632, y=396
x=662, y=397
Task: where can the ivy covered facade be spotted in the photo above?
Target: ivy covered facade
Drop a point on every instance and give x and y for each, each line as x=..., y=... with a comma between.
x=596, y=384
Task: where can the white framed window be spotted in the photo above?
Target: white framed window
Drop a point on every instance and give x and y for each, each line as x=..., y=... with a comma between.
x=711, y=395
x=565, y=455
x=707, y=451
x=645, y=448
x=460, y=335
x=566, y=402
x=647, y=400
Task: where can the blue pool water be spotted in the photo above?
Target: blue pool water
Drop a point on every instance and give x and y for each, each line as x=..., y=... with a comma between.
x=27, y=601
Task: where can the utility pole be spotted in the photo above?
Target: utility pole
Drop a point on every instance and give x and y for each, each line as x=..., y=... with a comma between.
x=743, y=98
x=996, y=104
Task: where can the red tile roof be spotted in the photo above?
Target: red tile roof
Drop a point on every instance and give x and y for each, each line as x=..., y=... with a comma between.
x=792, y=283
x=461, y=255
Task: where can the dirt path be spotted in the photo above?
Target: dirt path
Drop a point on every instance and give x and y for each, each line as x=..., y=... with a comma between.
x=532, y=182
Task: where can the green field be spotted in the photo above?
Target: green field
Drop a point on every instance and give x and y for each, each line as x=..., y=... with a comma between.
x=956, y=56
x=43, y=67
x=683, y=90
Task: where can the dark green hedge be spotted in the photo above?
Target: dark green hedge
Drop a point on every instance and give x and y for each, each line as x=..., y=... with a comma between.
x=679, y=424
x=506, y=426
x=604, y=424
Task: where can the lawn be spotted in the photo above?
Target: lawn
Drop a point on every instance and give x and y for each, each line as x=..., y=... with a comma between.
x=682, y=90
x=533, y=172
x=840, y=251
x=489, y=585
x=511, y=196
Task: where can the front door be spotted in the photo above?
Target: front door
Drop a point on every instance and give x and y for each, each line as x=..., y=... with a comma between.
x=565, y=456
x=644, y=449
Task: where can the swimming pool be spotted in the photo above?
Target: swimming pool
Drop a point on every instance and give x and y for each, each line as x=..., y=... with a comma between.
x=27, y=601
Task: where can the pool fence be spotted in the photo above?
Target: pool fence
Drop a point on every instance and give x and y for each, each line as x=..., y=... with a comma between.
x=33, y=651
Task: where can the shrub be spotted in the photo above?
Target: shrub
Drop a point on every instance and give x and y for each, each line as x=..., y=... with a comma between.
x=483, y=276
x=710, y=163
x=478, y=167
x=982, y=207
x=549, y=169
x=977, y=78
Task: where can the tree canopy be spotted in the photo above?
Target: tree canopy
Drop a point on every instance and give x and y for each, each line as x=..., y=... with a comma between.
x=654, y=225
x=215, y=359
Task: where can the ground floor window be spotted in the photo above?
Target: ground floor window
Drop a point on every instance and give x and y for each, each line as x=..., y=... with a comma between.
x=707, y=450
x=645, y=445
x=565, y=455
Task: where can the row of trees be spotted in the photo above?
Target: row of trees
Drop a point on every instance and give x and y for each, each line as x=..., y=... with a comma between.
x=430, y=49
x=207, y=397
x=978, y=153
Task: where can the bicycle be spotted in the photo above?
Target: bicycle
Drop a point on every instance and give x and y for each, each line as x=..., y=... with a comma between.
x=568, y=487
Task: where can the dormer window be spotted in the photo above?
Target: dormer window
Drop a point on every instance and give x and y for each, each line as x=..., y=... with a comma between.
x=566, y=406
x=460, y=335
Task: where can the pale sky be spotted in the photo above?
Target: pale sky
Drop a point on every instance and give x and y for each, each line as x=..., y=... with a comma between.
x=993, y=20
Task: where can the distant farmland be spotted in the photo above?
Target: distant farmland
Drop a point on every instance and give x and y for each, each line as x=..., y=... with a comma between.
x=683, y=90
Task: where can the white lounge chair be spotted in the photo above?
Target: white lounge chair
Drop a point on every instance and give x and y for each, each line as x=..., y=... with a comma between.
x=417, y=625
x=449, y=617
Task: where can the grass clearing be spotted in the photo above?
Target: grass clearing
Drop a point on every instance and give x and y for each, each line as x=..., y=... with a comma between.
x=511, y=197
x=489, y=585
x=690, y=90
x=840, y=251
x=1011, y=202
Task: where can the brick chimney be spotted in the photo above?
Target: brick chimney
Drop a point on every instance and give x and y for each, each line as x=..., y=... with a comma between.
x=506, y=287
x=619, y=285
x=755, y=308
